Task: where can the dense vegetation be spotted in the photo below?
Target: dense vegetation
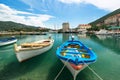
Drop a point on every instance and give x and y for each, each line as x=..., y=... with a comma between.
x=12, y=26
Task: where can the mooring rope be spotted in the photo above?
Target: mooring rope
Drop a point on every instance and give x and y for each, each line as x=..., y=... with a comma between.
x=95, y=73
x=84, y=63
x=61, y=69
x=91, y=69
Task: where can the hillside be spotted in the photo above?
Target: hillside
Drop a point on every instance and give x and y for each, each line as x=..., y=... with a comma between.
x=12, y=26
x=105, y=17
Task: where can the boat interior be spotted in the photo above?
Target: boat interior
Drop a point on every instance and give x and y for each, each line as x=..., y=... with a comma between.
x=32, y=46
x=6, y=39
x=39, y=44
x=75, y=49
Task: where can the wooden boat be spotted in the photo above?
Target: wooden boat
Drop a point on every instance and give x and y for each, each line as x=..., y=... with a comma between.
x=7, y=41
x=29, y=50
x=75, y=55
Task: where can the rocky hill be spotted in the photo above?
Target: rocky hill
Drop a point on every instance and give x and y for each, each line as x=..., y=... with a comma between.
x=111, y=19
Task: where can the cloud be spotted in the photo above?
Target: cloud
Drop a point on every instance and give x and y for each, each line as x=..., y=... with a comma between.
x=71, y=1
x=36, y=4
x=102, y=4
x=9, y=14
x=105, y=4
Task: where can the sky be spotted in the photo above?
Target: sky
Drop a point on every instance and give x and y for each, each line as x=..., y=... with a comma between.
x=52, y=13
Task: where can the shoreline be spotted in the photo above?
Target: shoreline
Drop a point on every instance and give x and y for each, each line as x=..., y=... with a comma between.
x=22, y=33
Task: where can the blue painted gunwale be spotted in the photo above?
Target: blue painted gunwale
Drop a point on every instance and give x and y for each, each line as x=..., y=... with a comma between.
x=7, y=39
x=74, y=58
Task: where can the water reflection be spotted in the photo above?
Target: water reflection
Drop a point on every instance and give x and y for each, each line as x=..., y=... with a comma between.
x=46, y=66
x=65, y=37
x=14, y=69
x=29, y=38
x=108, y=41
x=103, y=37
x=82, y=35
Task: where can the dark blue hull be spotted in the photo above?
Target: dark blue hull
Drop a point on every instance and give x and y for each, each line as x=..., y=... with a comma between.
x=7, y=41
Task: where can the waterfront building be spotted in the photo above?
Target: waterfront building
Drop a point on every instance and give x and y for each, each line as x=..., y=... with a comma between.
x=65, y=27
x=82, y=28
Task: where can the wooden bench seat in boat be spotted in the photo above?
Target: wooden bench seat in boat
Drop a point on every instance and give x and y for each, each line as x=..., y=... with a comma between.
x=30, y=48
x=43, y=44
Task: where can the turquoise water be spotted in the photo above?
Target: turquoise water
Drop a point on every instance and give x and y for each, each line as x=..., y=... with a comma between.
x=46, y=66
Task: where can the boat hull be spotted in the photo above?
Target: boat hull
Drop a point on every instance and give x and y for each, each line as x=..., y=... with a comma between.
x=76, y=56
x=27, y=54
x=8, y=42
x=73, y=71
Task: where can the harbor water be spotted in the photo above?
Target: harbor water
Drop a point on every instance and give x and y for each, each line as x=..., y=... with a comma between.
x=46, y=66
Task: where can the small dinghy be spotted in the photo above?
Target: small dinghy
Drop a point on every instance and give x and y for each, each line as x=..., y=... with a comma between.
x=75, y=55
x=29, y=50
x=7, y=41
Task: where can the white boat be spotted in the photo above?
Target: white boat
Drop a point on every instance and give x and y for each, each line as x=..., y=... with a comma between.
x=29, y=50
x=7, y=41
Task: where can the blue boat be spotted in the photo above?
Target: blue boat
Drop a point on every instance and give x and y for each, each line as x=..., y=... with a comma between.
x=75, y=55
x=7, y=41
